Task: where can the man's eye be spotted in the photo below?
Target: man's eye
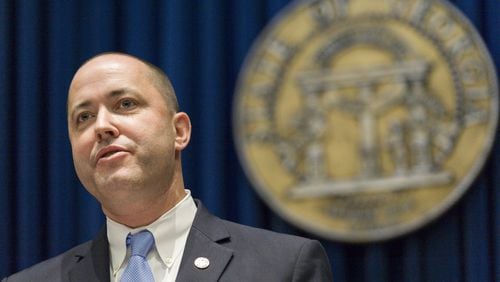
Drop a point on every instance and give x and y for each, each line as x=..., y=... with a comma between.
x=83, y=117
x=127, y=104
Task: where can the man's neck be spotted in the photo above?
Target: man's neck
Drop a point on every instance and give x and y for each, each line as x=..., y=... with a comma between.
x=142, y=213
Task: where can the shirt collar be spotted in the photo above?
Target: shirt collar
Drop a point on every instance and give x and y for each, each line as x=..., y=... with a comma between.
x=170, y=231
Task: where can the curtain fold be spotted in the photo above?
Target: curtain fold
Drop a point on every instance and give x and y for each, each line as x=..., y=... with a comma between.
x=44, y=210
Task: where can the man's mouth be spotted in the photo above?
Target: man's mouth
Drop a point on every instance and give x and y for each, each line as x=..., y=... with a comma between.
x=108, y=152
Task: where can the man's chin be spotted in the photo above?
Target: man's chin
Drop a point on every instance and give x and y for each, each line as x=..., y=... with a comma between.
x=120, y=179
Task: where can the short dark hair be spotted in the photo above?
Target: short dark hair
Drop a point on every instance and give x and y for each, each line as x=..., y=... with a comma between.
x=159, y=78
x=162, y=84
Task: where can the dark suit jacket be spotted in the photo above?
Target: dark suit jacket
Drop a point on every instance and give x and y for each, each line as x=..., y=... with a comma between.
x=236, y=253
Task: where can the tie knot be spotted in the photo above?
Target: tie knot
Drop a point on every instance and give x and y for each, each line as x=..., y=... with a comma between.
x=140, y=243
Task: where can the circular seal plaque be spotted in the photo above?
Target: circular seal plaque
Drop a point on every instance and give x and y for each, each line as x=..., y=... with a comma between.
x=363, y=120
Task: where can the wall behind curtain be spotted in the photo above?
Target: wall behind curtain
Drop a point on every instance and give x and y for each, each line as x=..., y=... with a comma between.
x=201, y=45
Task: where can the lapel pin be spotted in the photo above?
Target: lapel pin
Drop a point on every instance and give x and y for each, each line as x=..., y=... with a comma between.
x=201, y=262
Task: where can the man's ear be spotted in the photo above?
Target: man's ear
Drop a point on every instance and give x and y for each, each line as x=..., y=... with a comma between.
x=182, y=130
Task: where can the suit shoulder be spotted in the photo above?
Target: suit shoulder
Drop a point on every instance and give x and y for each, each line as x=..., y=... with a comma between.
x=53, y=269
x=258, y=234
x=264, y=243
x=288, y=257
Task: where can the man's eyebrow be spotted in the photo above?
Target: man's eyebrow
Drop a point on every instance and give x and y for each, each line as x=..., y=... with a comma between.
x=120, y=92
x=112, y=94
x=80, y=105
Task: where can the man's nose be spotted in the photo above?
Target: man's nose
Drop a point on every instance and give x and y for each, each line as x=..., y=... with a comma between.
x=105, y=126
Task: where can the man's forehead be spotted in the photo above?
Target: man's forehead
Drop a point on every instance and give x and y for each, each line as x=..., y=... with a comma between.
x=113, y=58
x=110, y=63
x=105, y=66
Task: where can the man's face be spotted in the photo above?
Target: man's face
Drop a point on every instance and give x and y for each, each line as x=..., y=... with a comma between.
x=122, y=133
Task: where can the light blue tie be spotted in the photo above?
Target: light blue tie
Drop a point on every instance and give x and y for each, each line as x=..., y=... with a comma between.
x=138, y=269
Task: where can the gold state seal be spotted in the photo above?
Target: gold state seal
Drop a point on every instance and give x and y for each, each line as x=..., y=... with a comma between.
x=363, y=120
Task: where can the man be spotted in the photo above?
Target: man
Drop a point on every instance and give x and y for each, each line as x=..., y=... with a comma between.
x=127, y=134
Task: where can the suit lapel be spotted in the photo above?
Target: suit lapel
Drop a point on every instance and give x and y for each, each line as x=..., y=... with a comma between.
x=204, y=240
x=94, y=264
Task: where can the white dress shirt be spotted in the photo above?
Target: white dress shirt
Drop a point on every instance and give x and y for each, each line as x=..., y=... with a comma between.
x=170, y=232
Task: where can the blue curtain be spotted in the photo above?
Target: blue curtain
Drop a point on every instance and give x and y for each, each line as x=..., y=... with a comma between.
x=201, y=45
